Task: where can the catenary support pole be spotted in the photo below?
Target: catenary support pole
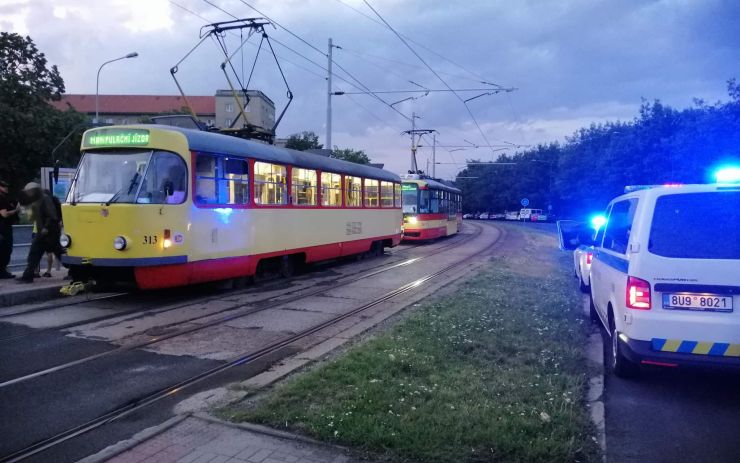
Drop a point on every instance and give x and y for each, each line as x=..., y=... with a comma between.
x=328, y=100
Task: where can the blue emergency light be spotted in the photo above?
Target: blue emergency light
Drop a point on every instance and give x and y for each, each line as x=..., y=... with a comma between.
x=598, y=221
x=730, y=174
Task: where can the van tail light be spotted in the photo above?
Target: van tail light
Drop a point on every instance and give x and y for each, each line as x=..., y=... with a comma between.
x=589, y=257
x=638, y=294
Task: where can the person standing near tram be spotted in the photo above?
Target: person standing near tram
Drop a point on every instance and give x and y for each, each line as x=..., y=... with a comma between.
x=8, y=216
x=48, y=228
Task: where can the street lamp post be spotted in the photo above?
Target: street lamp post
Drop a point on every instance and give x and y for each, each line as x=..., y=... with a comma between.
x=97, y=80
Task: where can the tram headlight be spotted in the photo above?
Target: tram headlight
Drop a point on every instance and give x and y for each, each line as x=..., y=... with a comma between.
x=65, y=241
x=119, y=242
x=413, y=220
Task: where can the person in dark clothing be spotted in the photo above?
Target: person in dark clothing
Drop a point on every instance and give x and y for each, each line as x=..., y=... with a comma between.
x=8, y=216
x=48, y=229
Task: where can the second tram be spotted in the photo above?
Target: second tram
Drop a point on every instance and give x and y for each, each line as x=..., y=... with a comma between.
x=431, y=209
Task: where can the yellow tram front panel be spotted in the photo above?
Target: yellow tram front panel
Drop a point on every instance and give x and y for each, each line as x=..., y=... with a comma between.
x=94, y=227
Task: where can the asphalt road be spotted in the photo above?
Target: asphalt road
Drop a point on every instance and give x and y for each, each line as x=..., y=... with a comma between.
x=673, y=415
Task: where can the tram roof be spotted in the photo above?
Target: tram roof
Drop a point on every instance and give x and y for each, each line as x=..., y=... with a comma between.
x=431, y=183
x=233, y=146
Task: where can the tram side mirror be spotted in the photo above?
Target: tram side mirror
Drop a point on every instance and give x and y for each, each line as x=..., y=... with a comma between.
x=55, y=172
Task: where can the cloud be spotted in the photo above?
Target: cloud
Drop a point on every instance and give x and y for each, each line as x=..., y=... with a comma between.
x=574, y=62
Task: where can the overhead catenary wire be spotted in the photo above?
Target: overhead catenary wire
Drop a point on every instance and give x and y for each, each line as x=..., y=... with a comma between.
x=338, y=65
x=249, y=43
x=480, y=79
x=472, y=116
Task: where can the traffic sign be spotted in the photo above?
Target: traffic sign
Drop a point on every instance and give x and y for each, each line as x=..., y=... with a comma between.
x=525, y=202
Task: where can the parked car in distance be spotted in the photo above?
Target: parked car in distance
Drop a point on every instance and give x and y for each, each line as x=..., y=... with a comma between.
x=496, y=216
x=484, y=216
x=541, y=217
x=511, y=215
x=525, y=215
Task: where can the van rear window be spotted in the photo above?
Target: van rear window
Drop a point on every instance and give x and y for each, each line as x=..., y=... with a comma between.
x=697, y=226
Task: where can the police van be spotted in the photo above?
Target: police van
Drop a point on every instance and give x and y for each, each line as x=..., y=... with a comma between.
x=665, y=276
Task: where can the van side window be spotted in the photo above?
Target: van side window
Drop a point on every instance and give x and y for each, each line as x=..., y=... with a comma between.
x=619, y=226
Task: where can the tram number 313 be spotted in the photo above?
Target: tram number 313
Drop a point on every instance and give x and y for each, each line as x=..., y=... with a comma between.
x=150, y=239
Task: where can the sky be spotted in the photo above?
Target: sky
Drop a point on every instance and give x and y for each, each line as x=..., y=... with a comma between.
x=571, y=62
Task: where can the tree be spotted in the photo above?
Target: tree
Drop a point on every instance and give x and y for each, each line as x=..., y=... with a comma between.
x=24, y=77
x=31, y=127
x=348, y=154
x=303, y=141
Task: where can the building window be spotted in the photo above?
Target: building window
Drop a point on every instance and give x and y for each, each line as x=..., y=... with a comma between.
x=397, y=195
x=353, y=191
x=304, y=186
x=221, y=180
x=331, y=189
x=270, y=186
x=386, y=194
x=228, y=122
x=229, y=107
x=372, y=188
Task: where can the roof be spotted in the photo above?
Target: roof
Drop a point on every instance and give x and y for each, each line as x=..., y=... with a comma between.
x=233, y=146
x=436, y=184
x=136, y=104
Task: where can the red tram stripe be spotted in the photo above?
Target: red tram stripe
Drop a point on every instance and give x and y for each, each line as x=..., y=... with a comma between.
x=166, y=276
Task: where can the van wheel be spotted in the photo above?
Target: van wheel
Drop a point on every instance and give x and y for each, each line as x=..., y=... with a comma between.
x=592, y=310
x=582, y=286
x=620, y=365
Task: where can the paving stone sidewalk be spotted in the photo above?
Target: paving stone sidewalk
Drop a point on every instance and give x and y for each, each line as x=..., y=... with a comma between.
x=199, y=440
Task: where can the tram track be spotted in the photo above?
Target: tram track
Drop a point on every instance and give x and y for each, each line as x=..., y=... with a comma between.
x=242, y=359
x=340, y=282
x=149, y=311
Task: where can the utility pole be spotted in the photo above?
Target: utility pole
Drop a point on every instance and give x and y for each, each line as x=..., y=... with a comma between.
x=328, y=99
x=414, y=132
x=434, y=155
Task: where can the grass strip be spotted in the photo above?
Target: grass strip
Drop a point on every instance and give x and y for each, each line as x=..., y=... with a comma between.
x=494, y=372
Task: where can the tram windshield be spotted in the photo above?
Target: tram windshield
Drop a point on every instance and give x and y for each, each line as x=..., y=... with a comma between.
x=410, y=198
x=148, y=177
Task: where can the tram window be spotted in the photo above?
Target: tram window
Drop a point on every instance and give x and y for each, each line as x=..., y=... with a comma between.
x=221, y=180
x=424, y=202
x=386, y=194
x=434, y=202
x=270, y=183
x=331, y=189
x=397, y=195
x=353, y=191
x=165, y=181
x=371, y=192
x=304, y=185
x=235, y=181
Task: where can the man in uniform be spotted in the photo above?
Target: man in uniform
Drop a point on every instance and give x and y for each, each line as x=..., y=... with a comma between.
x=48, y=229
x=8, y=216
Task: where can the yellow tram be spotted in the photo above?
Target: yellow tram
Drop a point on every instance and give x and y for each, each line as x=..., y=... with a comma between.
x=431, y=209
x=164, y=206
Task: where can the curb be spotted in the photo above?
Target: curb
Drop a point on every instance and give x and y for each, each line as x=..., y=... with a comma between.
x=138, y=438
x=595, y=391
x=12, y=298
x=259, y=429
